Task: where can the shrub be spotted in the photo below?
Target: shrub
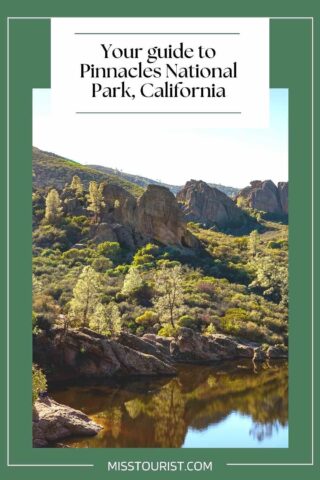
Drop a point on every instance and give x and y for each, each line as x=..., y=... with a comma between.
x=140, y=330
x=146, y=260
x=207, y=287
x=49, y=236
x=39, y=382
x=167, y=331
x=147, y=318
x=189, y=322
x=210, y=330
x=111, y=250
x=101, y=264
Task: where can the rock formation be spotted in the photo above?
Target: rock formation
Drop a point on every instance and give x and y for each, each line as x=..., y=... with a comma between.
x=266, y=196
x=209, y=206
x=283, y=196
x=86, y=354
x=52, y=421
x=155, y=216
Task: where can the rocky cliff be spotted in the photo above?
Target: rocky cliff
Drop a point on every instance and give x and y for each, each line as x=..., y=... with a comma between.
x=202, y=203
x=154, y=216
x=266, y=196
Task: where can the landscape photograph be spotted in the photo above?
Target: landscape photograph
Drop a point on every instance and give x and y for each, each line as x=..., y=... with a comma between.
x=159, y=283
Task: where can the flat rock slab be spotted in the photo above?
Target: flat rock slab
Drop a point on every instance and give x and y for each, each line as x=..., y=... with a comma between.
x=53, y=421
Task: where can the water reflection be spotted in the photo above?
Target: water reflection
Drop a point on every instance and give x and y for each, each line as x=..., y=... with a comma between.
x=251, y=404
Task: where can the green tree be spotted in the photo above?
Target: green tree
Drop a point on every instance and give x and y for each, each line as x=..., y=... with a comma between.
x=53, y=210
x=253, y=242
x=76, y=185
x=168, y=281
x=272, y=277
x=132, y=282
x=106, y=319
x=86, y=296
x=114, y=320
x=98, y=319
x=95, y=200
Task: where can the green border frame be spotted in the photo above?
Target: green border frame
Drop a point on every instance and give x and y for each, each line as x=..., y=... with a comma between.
x=291, y=67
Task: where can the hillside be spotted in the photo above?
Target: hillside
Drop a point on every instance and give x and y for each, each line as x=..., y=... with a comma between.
x=50, y=170
x=144, y=181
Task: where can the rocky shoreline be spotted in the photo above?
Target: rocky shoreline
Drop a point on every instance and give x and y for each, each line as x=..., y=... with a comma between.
x=83, y=354
x=69, y=356
x=52, y=421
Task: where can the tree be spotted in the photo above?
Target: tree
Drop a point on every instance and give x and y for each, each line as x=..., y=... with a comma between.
x=272, y=277
x=253, y=243
x=106, y=319
x=76, y=185
x=114, y=320
x=86, y=296
x=132, y=282
x=95, y=200
x=98, y=319
x=169, y=299
x=53, y=207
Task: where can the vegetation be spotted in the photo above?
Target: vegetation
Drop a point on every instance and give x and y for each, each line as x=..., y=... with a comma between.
x=39, y=382
x=234, y=285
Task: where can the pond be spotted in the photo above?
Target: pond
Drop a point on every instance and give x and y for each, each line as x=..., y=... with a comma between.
x=233, y=405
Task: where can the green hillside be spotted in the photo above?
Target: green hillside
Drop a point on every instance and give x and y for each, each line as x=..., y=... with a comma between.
x=50, y=170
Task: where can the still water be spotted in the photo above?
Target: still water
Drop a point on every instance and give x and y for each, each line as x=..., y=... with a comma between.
x=230, y=406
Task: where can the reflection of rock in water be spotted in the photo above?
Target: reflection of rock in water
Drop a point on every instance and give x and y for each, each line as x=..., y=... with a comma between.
x=261, y=431
x=158, y=413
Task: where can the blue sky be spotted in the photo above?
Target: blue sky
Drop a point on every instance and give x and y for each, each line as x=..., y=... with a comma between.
x=228, y=156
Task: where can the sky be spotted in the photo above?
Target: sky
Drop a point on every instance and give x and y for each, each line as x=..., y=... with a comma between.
x=228, y=156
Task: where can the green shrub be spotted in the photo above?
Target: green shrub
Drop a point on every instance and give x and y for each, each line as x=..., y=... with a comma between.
x=140, y=330
x=210, y=330
x=111, y=250
x=189, y=322
x=167, y=331
x=147, y=318
x=39, y=382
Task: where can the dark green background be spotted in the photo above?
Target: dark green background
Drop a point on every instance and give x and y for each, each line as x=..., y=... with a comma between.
x=290, y=62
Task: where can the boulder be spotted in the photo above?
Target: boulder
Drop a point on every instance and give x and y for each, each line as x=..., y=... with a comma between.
x=266, y=196
x=52, y=422
x=277, y=351
x=208, y=205
x=120, y=205
x=192, y=347
x=103, y=232
x=159, y=217
x=156, y=216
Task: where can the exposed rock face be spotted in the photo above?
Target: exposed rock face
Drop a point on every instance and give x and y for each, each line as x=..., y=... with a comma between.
x=266, y=196
x=52, y=421
x=201, y=203
x=103, y=232
x=155, y=216
x=120, y=205
x=192, y=347
x=283, y=196
x=277, y=351
x=159, y=216
x=85, y=354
